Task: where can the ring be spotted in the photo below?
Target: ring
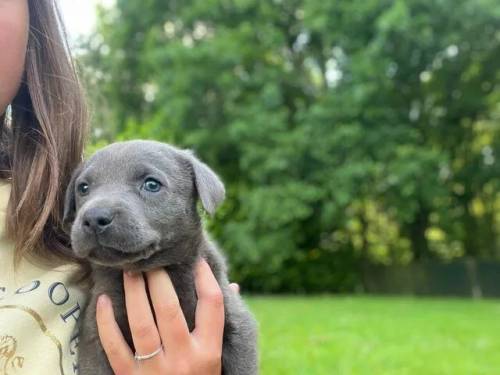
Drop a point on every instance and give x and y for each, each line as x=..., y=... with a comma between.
x=147, y=356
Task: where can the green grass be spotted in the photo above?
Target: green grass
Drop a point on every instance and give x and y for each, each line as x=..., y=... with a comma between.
x=377, y=335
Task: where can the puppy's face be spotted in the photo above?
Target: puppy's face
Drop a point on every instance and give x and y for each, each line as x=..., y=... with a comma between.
x=136, y=200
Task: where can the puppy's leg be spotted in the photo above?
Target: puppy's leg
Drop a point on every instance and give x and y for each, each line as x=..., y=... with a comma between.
x=239, y=356
x=92, y=358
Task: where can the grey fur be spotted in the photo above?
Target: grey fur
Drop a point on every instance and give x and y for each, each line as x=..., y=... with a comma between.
x=150, y=230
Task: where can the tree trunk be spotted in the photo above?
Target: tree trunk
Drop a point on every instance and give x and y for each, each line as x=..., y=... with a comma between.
x=470, y=230
x=416, y=232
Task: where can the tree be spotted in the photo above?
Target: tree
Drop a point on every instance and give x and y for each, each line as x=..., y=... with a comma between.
x=346, y=132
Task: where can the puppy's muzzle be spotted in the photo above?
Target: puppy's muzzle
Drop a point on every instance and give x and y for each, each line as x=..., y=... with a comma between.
x=97, y=219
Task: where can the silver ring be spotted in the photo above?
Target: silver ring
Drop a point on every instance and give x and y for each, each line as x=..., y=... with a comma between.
x=147, y=356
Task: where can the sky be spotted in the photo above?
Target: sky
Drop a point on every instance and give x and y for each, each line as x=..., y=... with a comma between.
x=79, y=16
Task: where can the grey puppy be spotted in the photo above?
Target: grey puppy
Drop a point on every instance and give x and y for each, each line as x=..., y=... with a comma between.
x=132, y=206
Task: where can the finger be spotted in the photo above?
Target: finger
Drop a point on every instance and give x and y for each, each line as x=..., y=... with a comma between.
x=210, y=306
x=116, y=348
x=140, y=317
x=172, y=325
x=235, y=288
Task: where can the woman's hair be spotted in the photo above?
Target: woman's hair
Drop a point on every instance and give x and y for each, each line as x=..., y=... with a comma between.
x=42, y=140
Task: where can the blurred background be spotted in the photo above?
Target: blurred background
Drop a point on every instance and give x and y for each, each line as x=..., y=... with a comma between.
x=358, y=141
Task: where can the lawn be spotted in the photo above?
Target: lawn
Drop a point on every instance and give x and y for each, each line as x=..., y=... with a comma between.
x=377, y=335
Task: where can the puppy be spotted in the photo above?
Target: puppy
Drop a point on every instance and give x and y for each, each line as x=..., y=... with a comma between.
x=132, y=206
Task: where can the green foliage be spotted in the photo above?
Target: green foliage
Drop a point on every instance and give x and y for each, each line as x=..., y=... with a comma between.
x=346, y=131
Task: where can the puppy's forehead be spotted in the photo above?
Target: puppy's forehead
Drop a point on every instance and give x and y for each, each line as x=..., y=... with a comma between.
x=122, y=159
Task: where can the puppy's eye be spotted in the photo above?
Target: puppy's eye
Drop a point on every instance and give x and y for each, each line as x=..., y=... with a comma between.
x=152, y=185
x=83, y=188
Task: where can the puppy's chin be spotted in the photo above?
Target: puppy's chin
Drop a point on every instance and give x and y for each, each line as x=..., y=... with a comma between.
x=115, y=258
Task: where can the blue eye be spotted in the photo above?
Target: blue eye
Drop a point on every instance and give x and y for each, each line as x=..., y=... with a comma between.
x=152, y=185
x=83, y=188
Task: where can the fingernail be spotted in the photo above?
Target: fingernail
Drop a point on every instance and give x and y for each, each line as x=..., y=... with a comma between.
x=130, y=273
x=200, y=264
x=203, y=261
x=103, y=300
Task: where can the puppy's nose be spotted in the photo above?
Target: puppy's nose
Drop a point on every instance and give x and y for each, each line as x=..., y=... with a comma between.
x=98, y=219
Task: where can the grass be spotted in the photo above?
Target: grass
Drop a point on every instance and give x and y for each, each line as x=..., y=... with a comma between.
x=377, y=335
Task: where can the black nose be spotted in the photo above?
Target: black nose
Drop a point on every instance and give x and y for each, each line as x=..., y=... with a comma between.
x=98, y=219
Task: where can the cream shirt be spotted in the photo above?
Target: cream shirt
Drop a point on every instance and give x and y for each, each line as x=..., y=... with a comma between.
x=39, y=309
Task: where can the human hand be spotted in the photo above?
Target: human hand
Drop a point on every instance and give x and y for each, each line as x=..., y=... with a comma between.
x=198, y=352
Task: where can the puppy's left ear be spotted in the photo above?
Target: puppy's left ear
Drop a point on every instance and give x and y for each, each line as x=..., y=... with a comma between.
x=209, y=186
x=69, y=201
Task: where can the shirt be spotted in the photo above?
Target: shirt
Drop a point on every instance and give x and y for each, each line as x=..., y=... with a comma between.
x=39, y=309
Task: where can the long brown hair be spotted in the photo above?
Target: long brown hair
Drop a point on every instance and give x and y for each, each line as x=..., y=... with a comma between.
x=42, y=140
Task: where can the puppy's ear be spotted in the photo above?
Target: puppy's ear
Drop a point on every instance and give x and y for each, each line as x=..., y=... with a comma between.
x=209, y=186
x=69, y=201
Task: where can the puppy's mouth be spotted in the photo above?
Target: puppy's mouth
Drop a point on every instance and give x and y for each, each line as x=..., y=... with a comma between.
x=110, y=256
